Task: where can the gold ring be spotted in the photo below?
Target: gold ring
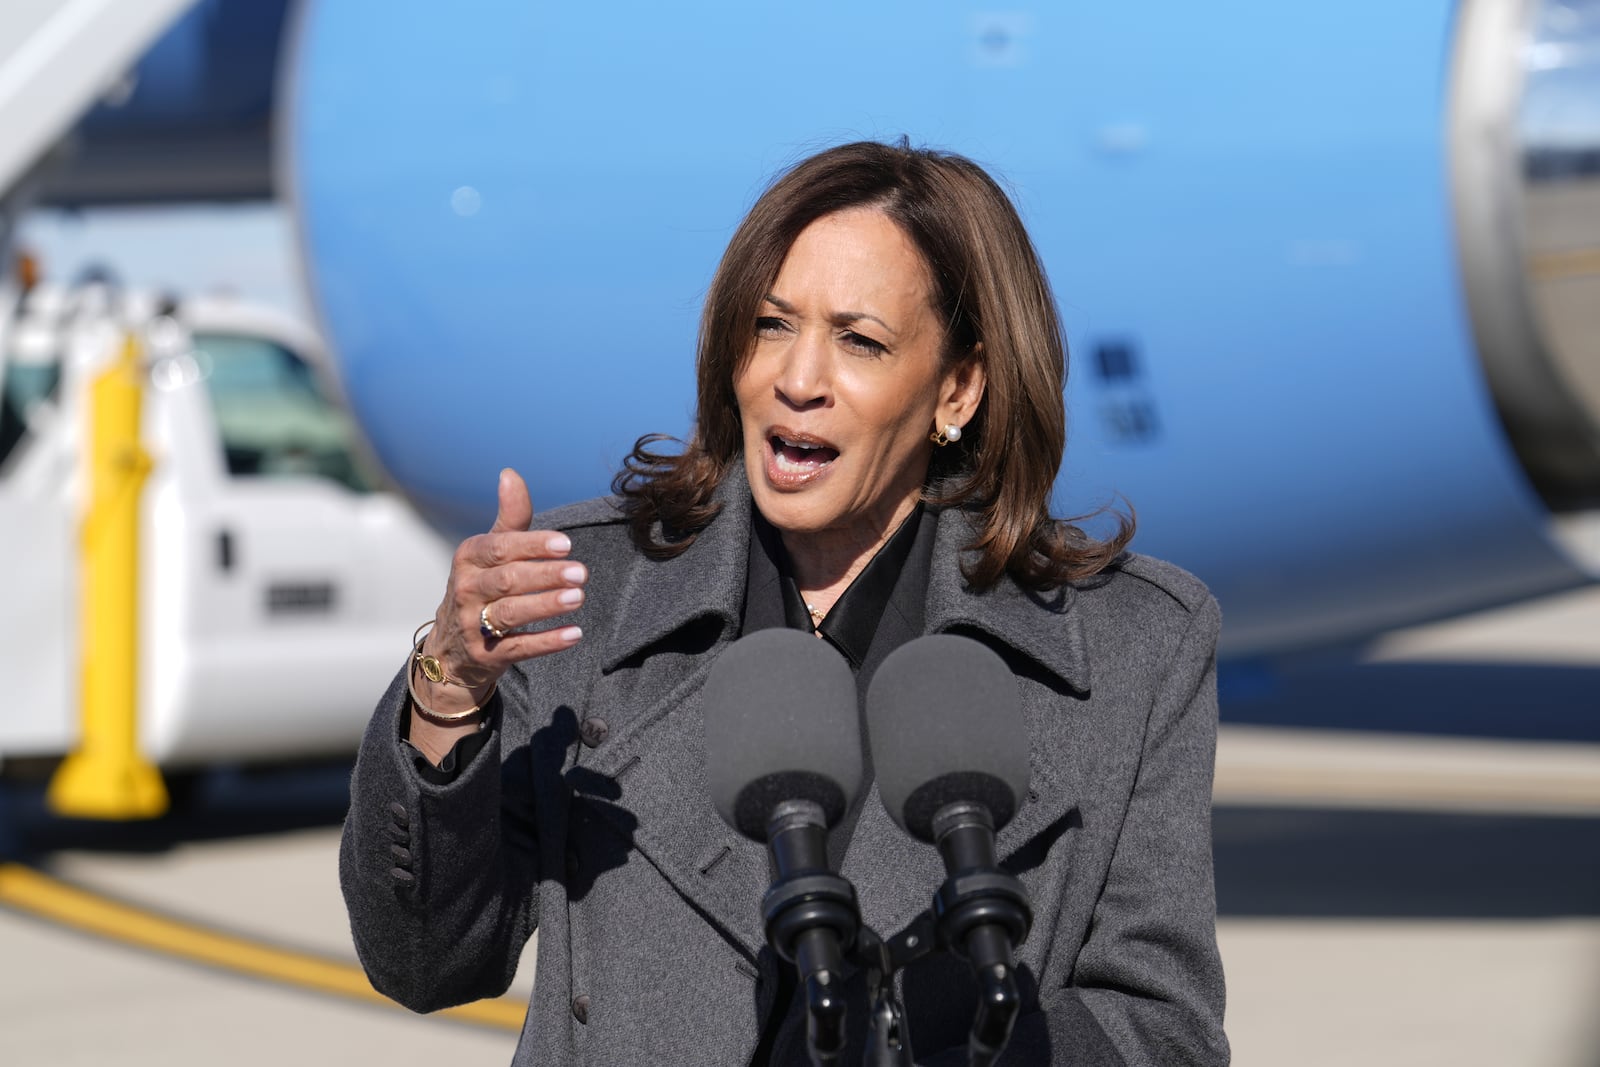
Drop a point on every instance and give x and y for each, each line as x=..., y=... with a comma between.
x=487, y=628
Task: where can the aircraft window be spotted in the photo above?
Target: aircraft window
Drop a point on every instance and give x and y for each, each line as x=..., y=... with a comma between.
x=23, y=388
x=275, y=418
x=1115, y=361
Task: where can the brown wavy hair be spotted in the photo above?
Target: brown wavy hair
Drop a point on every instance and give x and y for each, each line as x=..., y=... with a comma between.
x=995, y=303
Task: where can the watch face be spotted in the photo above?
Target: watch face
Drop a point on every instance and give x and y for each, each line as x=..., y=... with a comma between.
x=432, y=669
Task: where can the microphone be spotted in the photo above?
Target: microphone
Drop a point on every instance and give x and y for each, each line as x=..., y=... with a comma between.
x=783, y=763
x=951, y=754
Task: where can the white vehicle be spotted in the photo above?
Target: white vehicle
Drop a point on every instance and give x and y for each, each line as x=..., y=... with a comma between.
x=273, y=589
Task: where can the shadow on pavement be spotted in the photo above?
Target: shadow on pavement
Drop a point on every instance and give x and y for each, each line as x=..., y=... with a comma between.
x=1512, y=701
x=1384, y=864
x=218, y=805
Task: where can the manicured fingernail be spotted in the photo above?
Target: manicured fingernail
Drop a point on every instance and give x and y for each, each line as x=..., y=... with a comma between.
x=571, y=634
x=574, y=573
x=570, y=597
x=559, y=543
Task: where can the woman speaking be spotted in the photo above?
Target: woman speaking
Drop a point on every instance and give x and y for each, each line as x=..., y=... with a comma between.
x=878, y=429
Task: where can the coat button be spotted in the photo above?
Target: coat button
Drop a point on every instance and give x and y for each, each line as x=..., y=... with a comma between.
x=594, y=731
x=580, y=1008
x=397, y=811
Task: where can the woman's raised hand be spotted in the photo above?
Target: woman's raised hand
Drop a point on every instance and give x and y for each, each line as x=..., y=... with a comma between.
x=500, y=581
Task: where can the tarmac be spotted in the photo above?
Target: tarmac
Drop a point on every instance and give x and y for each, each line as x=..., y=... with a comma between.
x=1408, y=873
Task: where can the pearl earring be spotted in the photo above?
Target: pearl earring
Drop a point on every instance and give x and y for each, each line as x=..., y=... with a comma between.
x=951, y=432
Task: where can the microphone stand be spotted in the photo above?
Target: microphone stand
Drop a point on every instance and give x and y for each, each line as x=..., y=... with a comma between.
x=980, y=912
x=812, y=920
x=888, y=1040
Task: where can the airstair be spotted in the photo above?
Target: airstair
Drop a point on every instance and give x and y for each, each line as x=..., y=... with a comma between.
x=57, y=59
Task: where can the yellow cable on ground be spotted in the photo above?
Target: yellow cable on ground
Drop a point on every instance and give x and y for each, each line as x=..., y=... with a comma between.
x=106, y=776
x=38, y=894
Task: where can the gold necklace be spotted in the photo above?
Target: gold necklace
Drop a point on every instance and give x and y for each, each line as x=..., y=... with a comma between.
x=816, y=613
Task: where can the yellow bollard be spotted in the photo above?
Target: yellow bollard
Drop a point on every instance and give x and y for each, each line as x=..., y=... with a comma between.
x=106, y=777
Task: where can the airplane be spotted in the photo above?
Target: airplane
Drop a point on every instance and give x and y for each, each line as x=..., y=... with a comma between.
x=1329, y=272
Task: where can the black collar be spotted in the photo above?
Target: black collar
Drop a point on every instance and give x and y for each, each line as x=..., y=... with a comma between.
x=853, y=621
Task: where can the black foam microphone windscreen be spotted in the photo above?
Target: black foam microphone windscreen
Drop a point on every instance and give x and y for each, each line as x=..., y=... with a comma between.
x=781, y=724
x=945, y=724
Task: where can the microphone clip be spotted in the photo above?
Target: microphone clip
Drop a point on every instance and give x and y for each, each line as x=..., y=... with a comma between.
x=971, y=899
x=804, y=901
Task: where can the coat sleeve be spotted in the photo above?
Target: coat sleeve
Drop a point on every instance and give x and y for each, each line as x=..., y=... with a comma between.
x=440, y=880
x=1149, y=972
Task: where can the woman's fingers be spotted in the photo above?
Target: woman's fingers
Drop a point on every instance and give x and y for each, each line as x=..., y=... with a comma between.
x=526, y=645
x=521, y=595
x=525, y=592
x=532, y=609
x=485, y=551
x=520, y=578
x=516, y=507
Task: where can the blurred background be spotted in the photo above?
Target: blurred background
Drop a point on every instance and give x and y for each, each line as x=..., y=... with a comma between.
x=285, y=283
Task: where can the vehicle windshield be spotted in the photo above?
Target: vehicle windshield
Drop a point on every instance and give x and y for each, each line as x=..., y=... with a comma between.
x=275, y=418
x=24, y=386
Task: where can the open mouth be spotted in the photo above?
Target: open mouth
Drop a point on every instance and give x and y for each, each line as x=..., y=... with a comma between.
x=798, y=457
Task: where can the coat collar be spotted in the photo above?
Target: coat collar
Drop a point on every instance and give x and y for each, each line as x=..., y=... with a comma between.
x=708, y=580
x=661, y=597
x=1007, y=612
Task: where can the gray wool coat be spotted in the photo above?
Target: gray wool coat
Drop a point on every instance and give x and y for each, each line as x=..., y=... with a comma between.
x=586, y=815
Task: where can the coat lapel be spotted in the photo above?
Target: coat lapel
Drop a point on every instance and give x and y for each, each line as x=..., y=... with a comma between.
x=671, y=620
x=1043, y=640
